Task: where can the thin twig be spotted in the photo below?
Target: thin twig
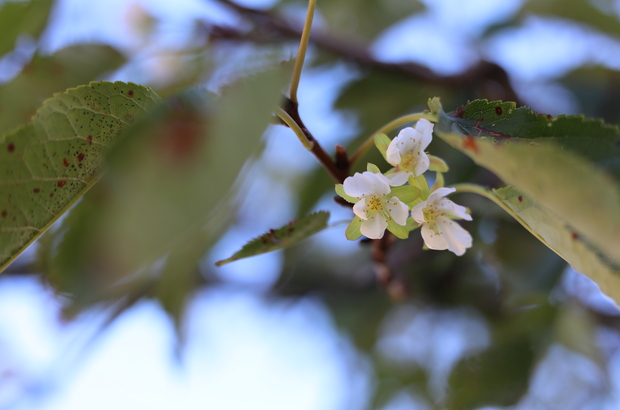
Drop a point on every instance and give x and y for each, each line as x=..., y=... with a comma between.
x=339, y=172
x=301, y=53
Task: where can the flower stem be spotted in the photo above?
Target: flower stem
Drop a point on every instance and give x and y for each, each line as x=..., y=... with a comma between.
x=284, y=116
x=477, y=189
x=363, y=149
x=301, y=53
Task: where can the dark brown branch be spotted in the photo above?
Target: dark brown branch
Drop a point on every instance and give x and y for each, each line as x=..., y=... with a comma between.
x=339, y=170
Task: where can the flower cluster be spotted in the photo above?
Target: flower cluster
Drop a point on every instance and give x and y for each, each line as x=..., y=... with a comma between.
x=384, y=201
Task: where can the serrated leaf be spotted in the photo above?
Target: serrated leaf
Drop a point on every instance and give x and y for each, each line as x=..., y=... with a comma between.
x=282, y=238
x=567, y=164
x=47, y=165
x=22, y=17
x=559, y=236
x=45, y=76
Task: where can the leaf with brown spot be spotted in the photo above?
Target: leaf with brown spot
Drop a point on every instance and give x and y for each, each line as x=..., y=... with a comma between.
x=281, y=238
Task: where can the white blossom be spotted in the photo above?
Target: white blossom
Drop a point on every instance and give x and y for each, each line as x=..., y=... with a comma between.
x=439, y=230
x=375, y=206
x=406, y=152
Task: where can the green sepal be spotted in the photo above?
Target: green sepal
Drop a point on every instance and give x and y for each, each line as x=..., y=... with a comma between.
x=420, y=182
x=439, y=182
x=353, y=231
x=343, y=195
x=382, y=142
x=406, y=193
x=400, y=231
x=412, y=225
x=373, y=168
x=437, y=164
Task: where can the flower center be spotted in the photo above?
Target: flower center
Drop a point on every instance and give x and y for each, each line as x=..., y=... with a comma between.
x=431, y=213
x=374, y=204
x=408, y=160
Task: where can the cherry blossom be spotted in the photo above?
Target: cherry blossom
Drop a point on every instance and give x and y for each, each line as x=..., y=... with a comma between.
x=439, y=230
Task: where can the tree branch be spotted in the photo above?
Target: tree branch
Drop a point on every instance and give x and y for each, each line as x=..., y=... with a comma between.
x=269, y=26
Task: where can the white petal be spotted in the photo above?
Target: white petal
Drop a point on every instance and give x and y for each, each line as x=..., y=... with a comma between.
x=409, y=140
x=456, y=237
x=359, y=209
x=439, y=193
x=425, y=128
x=392, y=154
x=398, y=210
x=356, y=186
x=398, y=178
x=418, y=212
x=432, y=239
x=379, y=184
x=422, y=163
x=460, y=211
x=374, y=228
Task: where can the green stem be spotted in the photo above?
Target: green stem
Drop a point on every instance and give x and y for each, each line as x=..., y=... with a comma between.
x=301, y=53
x=283, y=115
x=363, y=149
x=477, y=189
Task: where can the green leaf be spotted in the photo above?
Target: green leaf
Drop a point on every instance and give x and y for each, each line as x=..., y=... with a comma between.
x=283, y=237
x=45, y=76
x=46, y=166
x=22, y=17
x=561, y=238
x=567, y=164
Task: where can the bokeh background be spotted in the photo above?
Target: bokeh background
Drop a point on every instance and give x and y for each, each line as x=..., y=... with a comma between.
x=508, y=324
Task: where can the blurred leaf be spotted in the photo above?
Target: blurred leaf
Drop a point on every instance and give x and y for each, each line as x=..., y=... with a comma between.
x=499, y=375
x=580, y=11
x=166, y=196
x=45, y=76
x=521, y=277
x=283, y=237
x=22, y=17
x=558, y=236
x=576, y=330
x=598, y=91
x=564, y=164
x=46, y=166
